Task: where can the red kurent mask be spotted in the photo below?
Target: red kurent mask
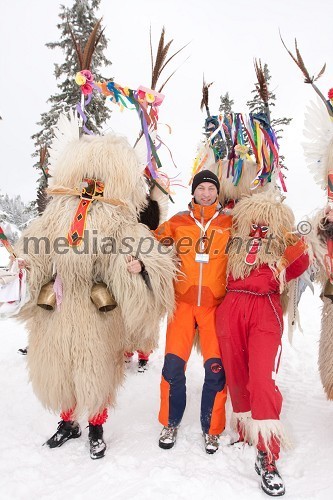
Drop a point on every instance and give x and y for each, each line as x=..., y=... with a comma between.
x=258, y=232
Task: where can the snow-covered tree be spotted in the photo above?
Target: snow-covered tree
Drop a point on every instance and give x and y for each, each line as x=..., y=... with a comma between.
x=226, y=108
x=15, y=212
x=226, y=104
x=79, y=19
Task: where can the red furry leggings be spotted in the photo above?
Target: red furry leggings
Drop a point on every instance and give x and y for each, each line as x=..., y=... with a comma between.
x=98, y=419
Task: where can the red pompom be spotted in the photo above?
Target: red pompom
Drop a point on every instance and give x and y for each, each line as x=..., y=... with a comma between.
x=330, y=94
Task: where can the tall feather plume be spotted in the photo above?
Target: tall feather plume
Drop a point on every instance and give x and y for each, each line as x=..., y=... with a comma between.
x=42, y=158
x=151, y=52
x=42, y=198
x=205, y=96
x=298, y=60
x=161, y=60
x=262, y=87
x=76, y=46
x=85, y=56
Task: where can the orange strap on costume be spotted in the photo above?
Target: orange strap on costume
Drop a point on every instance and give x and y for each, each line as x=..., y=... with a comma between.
x=91, y=188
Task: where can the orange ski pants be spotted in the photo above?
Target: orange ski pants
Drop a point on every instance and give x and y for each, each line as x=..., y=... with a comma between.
x=179, y=342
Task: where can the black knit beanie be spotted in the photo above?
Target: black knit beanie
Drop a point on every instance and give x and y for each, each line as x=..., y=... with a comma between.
x=205, y=176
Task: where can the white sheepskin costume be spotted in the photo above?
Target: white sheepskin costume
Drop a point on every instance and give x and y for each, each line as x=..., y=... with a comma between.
x=75, y=357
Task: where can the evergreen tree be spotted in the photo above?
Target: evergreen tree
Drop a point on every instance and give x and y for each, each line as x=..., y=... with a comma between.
x=226, y=104
x=80, y=18
x=226, y=108
x=15, y=211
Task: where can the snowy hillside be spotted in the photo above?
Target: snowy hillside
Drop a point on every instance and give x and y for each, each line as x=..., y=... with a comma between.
x=134, y=466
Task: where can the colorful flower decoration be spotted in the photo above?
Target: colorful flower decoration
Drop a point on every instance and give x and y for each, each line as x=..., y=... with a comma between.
x=150, y=96
x=85, y=79
x=242, y=151
x=86, y=89
x=330, y=96
x=80, y=79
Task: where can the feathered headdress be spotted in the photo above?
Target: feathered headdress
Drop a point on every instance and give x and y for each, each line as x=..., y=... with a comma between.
x=146, y=101
x=66, y=130
x=318, y=128
x=242, y=150
x=319, y=147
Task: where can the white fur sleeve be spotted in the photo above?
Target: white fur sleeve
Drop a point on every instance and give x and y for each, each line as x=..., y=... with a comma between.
x=142, y=308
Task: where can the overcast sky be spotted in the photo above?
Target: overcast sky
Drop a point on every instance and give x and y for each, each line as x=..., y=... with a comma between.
x=225, y=37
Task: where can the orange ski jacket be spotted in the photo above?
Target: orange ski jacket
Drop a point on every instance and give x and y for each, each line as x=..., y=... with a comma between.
x=199, y=283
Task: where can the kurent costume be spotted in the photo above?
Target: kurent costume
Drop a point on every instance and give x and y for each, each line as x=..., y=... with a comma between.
x=319, y=155
x=264, y=256
x=318, y=152
x=321, y=235
x=82, y=241
x=151, y=215
x=200, y=287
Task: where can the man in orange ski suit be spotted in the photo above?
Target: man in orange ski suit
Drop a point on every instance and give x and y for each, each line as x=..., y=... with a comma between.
x=200, y=236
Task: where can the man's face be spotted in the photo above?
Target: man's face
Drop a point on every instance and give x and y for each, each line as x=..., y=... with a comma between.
x=205, y=194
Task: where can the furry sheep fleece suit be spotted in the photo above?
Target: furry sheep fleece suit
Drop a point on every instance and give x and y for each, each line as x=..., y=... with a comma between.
x=75, y=358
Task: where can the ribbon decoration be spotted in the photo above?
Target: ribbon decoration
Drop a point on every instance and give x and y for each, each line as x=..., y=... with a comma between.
x=251, y=138
x=144, y=100
x=4, y=240
x=85, y=79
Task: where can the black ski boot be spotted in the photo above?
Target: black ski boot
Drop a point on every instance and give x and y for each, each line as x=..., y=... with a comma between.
x=24, y=351
x=66, y=430
x=271, y=481
x=142, y=365
x=97, y=444
x=168, y=437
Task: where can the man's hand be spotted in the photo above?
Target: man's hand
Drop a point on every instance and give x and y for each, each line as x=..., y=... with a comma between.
x=329, y=214
x=133, y=265
x=21, y=263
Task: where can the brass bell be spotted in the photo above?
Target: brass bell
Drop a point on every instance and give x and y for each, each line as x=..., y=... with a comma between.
x=328, y=290
x=47, y=297
x=102, y=298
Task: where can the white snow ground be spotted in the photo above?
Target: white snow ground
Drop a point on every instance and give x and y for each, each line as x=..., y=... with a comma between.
x=134, y=466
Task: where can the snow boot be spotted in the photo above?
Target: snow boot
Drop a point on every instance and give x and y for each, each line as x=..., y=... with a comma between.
x=271, y=481
x=142, y=365
x=97, y=444
x=168, y=437
x=66, y=430
x=212, y=442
